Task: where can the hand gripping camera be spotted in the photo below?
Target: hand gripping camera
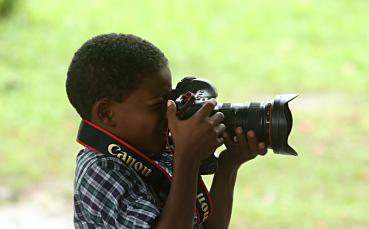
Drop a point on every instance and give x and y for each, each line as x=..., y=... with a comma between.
x=271, y=120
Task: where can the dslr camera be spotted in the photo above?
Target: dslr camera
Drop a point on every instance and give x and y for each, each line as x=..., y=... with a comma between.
x=271, y=120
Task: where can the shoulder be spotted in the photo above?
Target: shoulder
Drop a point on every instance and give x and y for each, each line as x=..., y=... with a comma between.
x=109, y=192
x=98, y=169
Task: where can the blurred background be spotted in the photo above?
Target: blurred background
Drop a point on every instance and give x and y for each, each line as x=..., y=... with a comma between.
x=251, y=50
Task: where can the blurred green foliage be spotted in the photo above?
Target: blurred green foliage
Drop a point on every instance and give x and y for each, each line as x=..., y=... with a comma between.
x=251, y=50
x=6, y=7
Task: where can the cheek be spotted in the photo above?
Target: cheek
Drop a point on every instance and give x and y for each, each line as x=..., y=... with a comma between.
x=148, y=123
x=145, y=131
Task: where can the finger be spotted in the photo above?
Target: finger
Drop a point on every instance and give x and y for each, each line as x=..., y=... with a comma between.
x=262, y=148
x=206, y=109
x=220, y=129
x=219, y=141
x=171, y=113
x=253, y=144
x=241, y=138
x=227, y=140
x=217, y=118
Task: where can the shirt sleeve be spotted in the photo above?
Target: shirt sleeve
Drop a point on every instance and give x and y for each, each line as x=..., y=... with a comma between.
x=113, y=196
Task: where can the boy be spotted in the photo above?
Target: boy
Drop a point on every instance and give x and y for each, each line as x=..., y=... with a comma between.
x=120, y=86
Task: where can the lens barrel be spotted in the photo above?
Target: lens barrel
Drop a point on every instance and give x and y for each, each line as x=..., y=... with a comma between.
x=271, y=120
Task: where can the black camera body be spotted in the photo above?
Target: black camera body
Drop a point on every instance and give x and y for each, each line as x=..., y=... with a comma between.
x=271, y=120
x=190, y=95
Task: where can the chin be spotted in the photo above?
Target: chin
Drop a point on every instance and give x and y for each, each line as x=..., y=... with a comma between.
x=160, y=148
x=155, y=143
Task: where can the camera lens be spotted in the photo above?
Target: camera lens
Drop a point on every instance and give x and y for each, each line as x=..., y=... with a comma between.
x=271, y=120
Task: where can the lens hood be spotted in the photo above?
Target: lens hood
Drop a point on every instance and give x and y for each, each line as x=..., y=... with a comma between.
x=281, y=124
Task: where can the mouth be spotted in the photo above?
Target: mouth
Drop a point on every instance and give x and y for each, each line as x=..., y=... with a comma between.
x=163, y=134
x=163, y=128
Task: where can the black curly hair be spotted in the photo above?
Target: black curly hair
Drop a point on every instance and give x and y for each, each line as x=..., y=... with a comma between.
x=110, y=66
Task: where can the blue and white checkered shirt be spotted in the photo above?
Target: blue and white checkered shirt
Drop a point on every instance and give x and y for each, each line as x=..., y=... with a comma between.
x=109, y=194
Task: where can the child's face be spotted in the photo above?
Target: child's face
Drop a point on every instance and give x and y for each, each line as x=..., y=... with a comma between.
x=141, y=118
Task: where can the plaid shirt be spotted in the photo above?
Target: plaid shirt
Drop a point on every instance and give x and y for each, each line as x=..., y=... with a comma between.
x=109, y=194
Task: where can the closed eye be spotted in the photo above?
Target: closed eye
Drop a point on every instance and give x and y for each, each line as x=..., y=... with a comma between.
x=159, y=102
x=156, y=105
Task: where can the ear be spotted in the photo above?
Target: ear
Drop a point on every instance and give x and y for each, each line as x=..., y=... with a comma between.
x=103, y=111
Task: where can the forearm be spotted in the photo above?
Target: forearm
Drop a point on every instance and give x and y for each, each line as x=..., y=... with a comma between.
x=222, y=189
x=179, y=208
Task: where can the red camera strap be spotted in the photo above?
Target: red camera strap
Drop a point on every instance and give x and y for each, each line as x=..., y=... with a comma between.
x=97, y=139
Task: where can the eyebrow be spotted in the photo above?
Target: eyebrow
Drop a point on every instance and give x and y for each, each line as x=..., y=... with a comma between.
x=154, y=100
x=157, y=99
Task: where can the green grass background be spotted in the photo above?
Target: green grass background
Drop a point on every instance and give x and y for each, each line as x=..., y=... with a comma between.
x=251, y=50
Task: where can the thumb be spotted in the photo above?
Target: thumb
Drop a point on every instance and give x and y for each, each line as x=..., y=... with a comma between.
x=171, y=112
